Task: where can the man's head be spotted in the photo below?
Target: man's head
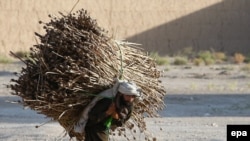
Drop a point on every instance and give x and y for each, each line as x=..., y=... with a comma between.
x=129, y=91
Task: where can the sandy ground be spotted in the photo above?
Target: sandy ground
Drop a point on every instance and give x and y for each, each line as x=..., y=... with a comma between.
x=200, y=103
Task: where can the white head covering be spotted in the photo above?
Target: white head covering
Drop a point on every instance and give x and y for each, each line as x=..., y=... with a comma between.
x=128, y=88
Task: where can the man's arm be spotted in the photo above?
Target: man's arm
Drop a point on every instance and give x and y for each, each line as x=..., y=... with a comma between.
x=120, y=122
x=98, y=112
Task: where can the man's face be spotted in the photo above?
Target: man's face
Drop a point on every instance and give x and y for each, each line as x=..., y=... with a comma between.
x=128, y=98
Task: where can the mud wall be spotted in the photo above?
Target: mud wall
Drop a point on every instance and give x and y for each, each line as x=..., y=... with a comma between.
x=165, y=26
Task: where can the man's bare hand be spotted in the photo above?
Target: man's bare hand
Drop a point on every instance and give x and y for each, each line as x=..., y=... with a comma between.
x=111, y=109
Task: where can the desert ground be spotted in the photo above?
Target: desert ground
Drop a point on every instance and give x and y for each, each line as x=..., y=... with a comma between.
x=200, y=102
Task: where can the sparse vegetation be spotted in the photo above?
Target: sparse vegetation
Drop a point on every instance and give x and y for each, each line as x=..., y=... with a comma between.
x=209, y=61
x=5, y=59
x=247, y=59
x=159, y=59
x=180, y=61
x=219, y=57
x=198, y=61
x=205, y=57
x=205, y=54
x=239, y=58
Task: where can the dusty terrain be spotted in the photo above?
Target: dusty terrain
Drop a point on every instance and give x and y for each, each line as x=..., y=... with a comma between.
x=200, y=102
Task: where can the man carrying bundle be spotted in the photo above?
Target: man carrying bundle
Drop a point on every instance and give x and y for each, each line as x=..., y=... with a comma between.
x=111, y=112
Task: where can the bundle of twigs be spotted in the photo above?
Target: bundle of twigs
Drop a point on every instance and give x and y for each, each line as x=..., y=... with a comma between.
x=74, y=61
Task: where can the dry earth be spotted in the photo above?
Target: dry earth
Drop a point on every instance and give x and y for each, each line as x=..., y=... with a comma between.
x=200, y=103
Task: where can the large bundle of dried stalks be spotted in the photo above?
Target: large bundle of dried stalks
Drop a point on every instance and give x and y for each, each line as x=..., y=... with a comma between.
x=74, y=61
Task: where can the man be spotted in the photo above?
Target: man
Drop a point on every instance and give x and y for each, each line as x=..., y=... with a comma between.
x=111, y=112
